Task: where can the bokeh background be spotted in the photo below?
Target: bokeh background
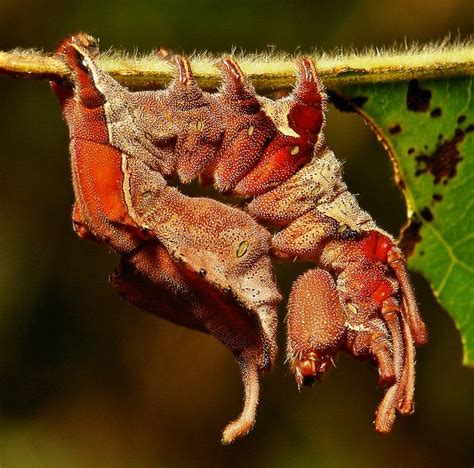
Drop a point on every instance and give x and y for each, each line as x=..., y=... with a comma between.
x=86, y=380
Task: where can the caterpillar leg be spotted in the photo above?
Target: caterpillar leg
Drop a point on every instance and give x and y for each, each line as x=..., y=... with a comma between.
x=245, y=422
x=400, y=396
x=372, y=339
x=385, y=335
x=316, y=325
x=417, y=327
x=406, y=404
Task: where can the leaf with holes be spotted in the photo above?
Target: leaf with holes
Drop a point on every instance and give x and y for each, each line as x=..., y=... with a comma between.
x=428, y=129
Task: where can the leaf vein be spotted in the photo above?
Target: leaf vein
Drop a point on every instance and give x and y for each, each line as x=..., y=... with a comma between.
x=449, y=250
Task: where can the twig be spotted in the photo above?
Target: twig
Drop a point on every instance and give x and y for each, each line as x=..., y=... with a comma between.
x=267, y=72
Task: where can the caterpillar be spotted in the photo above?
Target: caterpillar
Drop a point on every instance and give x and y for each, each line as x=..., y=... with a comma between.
x=208, y=266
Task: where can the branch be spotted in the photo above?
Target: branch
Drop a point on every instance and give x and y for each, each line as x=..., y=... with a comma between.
x=267, y=72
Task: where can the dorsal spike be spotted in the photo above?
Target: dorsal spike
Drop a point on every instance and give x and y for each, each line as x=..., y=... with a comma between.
x=185, y=74
x=309, y=87
x=185, y=87
x=235, y=84
x=231, y=71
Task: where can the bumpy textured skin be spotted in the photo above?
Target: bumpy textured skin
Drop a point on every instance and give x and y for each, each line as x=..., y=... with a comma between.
x=207, y=266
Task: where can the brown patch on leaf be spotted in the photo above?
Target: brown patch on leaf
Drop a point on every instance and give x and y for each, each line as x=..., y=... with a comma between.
x=410, y=236
x=411, y=150
x=470, y=128
x=442, y=163
x=345, y=104
x=436, y=112
x=395, y=129
x=461, y=119
x=418, y=99
x=427, y=214
x=437, y=197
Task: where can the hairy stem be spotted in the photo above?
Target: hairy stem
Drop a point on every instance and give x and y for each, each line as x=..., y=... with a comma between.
x=267, y=72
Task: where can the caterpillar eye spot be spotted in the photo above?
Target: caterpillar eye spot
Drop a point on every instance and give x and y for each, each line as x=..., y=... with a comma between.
x=202, y=272
x=352, y=308
x=199, y=125
x=147, y=194
x=295, y=150
x=242, y=249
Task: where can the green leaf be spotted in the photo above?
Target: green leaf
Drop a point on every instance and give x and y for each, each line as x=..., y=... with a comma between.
x=428, y=129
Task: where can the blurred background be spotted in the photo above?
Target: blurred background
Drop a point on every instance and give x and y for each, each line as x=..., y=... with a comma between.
x=86, y=380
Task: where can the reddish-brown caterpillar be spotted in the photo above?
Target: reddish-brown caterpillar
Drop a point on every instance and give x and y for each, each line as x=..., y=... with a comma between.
x=206, y=265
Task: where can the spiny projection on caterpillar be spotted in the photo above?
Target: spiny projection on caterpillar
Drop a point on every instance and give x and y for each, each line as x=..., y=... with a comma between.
x=208, y=266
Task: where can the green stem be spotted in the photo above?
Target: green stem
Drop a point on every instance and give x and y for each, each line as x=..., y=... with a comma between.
x=267, y=73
